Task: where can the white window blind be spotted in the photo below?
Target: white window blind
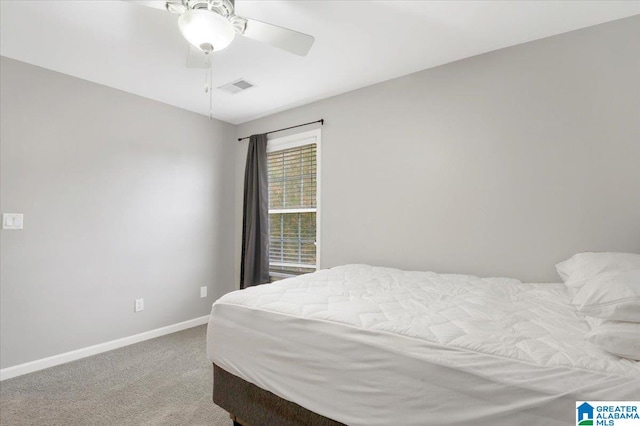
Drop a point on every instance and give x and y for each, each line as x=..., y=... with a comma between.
x=292, y=210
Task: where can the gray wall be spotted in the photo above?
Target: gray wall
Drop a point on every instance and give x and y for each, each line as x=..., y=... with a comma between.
x=123, y=198
x=501, y=164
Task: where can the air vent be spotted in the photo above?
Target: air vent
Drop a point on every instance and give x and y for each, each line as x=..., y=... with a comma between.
x=236, y=86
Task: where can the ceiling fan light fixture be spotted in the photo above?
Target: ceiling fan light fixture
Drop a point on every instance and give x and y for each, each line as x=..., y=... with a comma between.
x=206, y=30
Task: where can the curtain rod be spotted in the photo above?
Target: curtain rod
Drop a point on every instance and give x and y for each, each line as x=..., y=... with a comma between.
x=321, y=121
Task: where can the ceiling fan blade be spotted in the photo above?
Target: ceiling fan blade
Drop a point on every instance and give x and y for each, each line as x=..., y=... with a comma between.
x=197, y=58
x=173, y=6
x=284, y=38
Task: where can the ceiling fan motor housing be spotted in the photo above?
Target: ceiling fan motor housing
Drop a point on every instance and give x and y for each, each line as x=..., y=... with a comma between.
x=224, y=8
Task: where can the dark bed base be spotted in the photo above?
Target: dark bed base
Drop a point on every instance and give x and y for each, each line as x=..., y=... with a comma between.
x=250, y=405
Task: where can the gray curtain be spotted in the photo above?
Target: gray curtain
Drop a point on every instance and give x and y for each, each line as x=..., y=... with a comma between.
x=254, y=269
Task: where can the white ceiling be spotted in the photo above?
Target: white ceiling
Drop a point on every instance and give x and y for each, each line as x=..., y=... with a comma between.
x=358, y=43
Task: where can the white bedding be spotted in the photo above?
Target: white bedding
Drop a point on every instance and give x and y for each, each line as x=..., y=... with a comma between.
x=378, y=346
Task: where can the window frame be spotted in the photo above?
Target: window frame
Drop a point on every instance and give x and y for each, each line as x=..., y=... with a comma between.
x=293, y=141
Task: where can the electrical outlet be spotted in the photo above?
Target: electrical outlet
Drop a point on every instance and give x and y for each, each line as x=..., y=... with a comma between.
x=139, y=305
x=203, y=292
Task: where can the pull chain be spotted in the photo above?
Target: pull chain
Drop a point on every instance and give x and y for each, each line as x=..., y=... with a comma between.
x=208, y=82
x=210, y=87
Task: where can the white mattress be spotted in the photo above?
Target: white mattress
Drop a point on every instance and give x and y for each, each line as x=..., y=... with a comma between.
x=378, y=346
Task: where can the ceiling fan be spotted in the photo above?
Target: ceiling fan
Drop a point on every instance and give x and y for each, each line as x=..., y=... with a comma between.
x=211, y=25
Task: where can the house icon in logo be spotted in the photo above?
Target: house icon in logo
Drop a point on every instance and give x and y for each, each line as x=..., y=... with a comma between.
x=585, y=414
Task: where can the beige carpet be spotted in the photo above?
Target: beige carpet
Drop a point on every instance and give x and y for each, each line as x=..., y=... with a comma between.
x=164, y=381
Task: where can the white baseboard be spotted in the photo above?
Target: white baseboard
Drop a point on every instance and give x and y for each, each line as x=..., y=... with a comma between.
x=41, y=364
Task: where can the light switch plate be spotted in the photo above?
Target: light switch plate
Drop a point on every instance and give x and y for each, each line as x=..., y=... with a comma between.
x=138, y=305
x=12, y=220
x=203, y=292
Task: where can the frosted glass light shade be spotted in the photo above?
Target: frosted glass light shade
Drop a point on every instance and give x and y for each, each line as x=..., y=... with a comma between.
x=206, y=30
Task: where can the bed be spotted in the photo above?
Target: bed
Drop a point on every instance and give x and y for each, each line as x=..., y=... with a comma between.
x=364, y=345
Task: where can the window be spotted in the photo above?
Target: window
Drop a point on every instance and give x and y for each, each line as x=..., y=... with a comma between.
x=293, y=204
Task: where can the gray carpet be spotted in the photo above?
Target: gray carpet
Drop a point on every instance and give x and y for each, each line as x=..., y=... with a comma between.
x=164, y=381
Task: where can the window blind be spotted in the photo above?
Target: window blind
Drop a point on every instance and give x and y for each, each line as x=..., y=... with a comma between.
x=292, y=210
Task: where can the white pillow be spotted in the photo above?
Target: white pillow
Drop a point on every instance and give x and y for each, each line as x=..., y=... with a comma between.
x=611, y=295
x=582, y=266
x=619, y=338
